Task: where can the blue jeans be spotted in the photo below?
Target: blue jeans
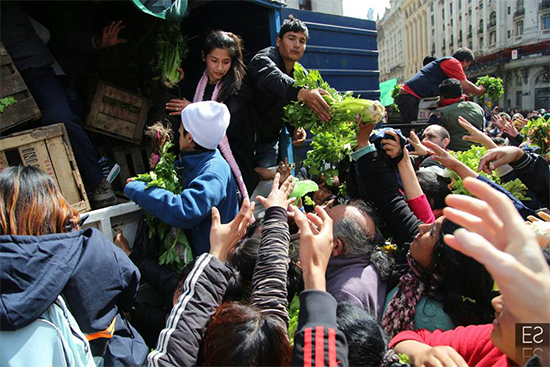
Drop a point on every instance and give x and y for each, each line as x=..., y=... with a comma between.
x=50, y=96
x=267, y=154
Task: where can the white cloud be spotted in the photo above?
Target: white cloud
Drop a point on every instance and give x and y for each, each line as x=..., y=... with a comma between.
x=360, y=8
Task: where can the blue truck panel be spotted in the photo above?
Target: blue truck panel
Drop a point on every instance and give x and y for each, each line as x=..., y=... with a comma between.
x=343, y=49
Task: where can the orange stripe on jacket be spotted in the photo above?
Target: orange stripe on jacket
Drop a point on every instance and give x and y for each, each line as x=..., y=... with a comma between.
x=107, y=333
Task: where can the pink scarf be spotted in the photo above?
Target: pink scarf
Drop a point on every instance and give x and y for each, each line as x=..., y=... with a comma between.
x=224, y=144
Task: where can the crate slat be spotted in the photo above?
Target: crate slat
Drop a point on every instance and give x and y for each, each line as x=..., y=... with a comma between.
x=12, y=84
x=117, y=113
x=49, y=149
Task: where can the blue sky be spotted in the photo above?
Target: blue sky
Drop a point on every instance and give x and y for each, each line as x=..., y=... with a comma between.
x=359, y=8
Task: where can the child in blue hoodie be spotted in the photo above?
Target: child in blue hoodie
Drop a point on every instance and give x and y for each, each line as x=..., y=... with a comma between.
x=205, y=177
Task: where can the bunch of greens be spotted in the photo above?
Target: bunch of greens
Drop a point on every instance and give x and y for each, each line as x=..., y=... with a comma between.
x=538, y=133
x=333, y=140
x=302, y=188
x=471, y=159
x=493, y=87
x=6, y=102
x=293, y=314
x=172, y=48
x=394, y=94
x=174, y=249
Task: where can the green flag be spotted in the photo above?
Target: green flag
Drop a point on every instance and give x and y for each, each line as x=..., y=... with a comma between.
x=385, y=91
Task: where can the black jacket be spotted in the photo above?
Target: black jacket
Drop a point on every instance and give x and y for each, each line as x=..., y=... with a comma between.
x=95, y=277
x=534, y=172
x=273, y=89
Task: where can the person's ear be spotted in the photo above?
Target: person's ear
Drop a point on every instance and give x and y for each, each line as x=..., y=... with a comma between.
x=446, y=142
x=278, y=41
x=202, y=56
x=338, y=248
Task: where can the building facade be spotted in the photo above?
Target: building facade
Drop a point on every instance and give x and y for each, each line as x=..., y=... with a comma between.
x=391, y=43
x=334, y=7
x=510, y=38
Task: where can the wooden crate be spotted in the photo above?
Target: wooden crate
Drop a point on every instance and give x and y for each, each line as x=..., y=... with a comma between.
x=117, y=113
x=49, y=149
x=12, y=85
x=132, y=161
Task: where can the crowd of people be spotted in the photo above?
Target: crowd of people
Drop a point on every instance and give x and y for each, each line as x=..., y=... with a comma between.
x=396, y=271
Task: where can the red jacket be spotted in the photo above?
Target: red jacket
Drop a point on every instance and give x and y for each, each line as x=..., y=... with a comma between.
x=472, y=342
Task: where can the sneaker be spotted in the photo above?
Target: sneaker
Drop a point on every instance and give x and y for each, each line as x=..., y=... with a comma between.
x=103, y=195
x=109, y=168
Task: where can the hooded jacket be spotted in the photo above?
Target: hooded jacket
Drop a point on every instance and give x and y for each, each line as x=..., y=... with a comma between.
x=95, y=277
x=207, y=181
x=274, y=90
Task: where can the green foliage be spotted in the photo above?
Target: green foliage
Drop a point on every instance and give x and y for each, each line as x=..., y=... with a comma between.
x=6, y=102
x=301, y=188
x=174, y=247
x=403, y=358
x=293, y=314
x=471, y=159
x=493, y=86
x=395, y=90
x=538, y=133
x=171, y=50
x=333, y=140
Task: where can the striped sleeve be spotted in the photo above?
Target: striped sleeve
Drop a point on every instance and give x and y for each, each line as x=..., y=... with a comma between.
x=317, y=341
x=203, y=290
x=269, y=292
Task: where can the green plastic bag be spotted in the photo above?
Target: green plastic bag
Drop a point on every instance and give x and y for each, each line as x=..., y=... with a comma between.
x=385, y=91
x=163, y=9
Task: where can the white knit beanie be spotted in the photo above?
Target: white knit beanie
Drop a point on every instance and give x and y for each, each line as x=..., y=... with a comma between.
x=207, y=122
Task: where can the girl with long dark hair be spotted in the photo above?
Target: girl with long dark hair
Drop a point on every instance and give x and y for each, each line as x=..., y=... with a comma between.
x=222, y=78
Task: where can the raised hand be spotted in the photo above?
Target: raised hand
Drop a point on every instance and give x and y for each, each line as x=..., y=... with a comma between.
x=419, y=148
x=224, y=237
x=497, y=157
x=392, y=147
x=278, y=195
x=316, y=244
x=476, y=135
x=495, y=235
x=110, y=33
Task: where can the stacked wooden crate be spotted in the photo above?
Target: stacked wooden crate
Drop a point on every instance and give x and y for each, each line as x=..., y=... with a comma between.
x=49, y=149
x=13, y=86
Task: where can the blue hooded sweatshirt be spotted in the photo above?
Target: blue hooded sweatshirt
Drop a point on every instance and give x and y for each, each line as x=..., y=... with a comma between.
x=95, y=277
x=207, y=181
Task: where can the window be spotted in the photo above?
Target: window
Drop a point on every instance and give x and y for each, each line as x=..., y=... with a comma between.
x=509, y=34
x=493, y=19
x=432, y=7
x=443, y=13
x=433, y=20
x=481, y=24
x=470, y=12
x=519, y=28
x=470, y=45
x=305, y=4
x=481, y=42
x=519, y=4
x=451, y=8
x=459, y=4
x=493, y=38
x=545, y=22
x=519, y=99
x=509, y=10
x=451, y=22
x=543, y=78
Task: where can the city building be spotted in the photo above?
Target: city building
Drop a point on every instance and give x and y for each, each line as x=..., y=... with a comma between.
x=322, y=6
x=510, y=38
x=390, y=43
